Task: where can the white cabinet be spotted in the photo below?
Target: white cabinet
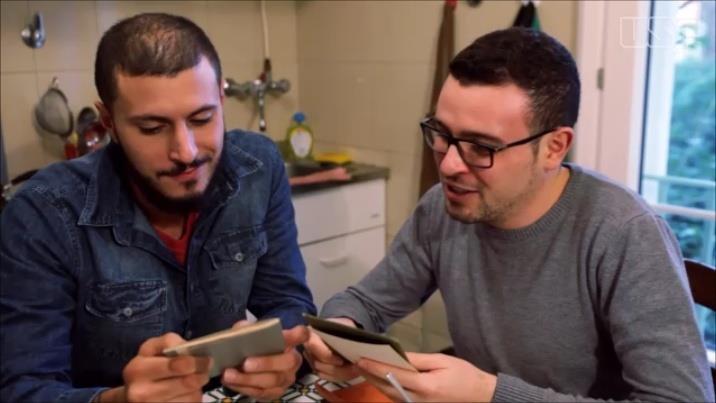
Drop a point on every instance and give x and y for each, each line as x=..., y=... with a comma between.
x=341, y=233
x=334, y=264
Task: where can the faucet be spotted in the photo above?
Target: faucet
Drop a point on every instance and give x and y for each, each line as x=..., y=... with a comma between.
x=257, y=89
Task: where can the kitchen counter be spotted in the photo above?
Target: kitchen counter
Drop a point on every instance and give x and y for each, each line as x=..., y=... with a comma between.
x=359, y=173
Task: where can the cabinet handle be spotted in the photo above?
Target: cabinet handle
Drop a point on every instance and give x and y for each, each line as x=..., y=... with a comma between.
x=333, y=262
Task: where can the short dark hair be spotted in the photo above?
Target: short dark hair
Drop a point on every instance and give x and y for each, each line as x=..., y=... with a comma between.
x=154, y=44
x=532, y=60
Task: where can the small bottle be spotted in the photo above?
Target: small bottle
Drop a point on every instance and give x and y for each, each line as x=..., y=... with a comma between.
x=299, y=139
x=71, y=146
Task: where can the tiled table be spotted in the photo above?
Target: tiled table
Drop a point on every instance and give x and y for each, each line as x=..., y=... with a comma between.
x=301, y=391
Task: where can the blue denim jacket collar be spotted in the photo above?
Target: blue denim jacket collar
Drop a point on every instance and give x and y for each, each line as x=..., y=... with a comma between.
x=109, y=203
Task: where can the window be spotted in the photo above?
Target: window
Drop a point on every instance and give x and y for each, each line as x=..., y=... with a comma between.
x=648, y=113
x=678, y=167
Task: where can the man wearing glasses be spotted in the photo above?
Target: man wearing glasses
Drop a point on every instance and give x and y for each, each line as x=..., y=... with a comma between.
x=559, y=285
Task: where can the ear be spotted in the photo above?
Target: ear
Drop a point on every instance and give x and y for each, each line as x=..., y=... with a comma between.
x=104, y=115
x=556, y=146
x=106, y=118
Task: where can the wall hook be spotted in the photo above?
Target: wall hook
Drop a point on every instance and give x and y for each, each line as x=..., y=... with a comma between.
x=34, y=33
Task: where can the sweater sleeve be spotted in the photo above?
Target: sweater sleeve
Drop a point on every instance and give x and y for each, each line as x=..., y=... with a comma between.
x=399, y=284
x=645, y=305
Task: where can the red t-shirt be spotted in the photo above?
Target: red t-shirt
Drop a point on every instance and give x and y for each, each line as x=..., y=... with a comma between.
x=179, y=247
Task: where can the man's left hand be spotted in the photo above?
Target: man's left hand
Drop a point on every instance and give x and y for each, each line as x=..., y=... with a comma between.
x=441, y=379
x=267, y=377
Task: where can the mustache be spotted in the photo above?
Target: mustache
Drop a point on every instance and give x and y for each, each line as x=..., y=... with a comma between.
x=456, y=183
x=179, y=167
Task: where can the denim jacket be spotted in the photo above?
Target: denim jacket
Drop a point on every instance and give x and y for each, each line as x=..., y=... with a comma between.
x=86, y=280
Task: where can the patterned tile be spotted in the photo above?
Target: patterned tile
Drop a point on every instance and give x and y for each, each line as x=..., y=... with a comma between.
x=303, y=391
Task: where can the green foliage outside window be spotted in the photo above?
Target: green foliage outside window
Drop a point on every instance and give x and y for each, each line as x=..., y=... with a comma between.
x=692, y=145
x=692, y=154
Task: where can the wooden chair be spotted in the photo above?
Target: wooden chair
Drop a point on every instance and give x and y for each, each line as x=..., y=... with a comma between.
x=702, y=280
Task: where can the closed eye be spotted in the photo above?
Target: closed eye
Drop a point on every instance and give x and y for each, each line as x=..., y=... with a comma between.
x=201, y=118
x=150, y=129
x=200, y=122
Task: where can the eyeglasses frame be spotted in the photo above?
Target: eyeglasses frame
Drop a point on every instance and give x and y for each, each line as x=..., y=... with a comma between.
x=452, y=140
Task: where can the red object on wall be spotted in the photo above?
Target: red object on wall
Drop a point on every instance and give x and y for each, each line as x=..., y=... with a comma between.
x=71, y=150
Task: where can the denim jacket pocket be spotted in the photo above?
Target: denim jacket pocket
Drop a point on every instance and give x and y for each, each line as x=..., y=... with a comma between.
x=236, y=249
x=129, y=302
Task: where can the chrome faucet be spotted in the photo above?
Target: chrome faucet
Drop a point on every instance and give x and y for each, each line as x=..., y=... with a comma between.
x=258, y=89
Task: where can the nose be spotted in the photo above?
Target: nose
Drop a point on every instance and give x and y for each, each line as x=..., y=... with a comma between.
x=452, y=163
x=183, y=145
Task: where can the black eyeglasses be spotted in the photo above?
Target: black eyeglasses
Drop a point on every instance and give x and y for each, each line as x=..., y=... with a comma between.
x=472, y=152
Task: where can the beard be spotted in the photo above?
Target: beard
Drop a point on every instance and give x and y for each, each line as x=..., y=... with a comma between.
x=143, y=184
x=493, y=211
x=174, y=205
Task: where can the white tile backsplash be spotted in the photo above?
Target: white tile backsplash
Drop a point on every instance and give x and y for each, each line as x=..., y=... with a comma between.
x=14, y=55
x=73, y=31
x=110, y=12
x=24, y=147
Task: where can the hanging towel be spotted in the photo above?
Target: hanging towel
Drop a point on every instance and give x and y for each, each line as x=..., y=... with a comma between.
x=445, y=52
x=527, y=16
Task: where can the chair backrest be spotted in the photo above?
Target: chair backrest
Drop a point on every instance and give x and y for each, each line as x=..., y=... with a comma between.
x=702, y=280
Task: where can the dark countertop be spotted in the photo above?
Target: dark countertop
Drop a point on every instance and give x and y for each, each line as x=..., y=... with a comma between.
x=359, y=173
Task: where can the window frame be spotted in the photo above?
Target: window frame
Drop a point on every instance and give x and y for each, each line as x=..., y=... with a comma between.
x=609, y=133
x=609, y=130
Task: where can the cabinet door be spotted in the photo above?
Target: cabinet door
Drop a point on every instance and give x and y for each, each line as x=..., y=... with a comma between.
x=339, y=210
x=334, y=264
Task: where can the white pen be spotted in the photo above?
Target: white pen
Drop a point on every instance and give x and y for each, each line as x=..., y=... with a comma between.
x=393, y=381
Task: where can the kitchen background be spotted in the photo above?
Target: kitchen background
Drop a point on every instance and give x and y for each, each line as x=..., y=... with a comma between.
x=361, y=71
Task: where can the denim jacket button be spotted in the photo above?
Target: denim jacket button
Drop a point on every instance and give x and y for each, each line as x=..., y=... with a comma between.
x=239, y=257
x=127, y=311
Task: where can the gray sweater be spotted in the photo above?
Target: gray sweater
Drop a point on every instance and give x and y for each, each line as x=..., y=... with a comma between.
x=589, y=302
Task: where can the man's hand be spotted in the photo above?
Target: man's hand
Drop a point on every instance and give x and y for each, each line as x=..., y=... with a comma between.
x=325, y=362
x=267, y=377
x=151, y=377
x=441, y=379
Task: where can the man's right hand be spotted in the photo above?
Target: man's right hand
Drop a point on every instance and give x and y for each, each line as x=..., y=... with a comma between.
x=152, y=377
x=325, y=363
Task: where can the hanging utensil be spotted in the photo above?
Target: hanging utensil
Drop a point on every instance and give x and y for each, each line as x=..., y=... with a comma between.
x=527, y=15
x=85, y=118
x=52, y=112
x=33, y=35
